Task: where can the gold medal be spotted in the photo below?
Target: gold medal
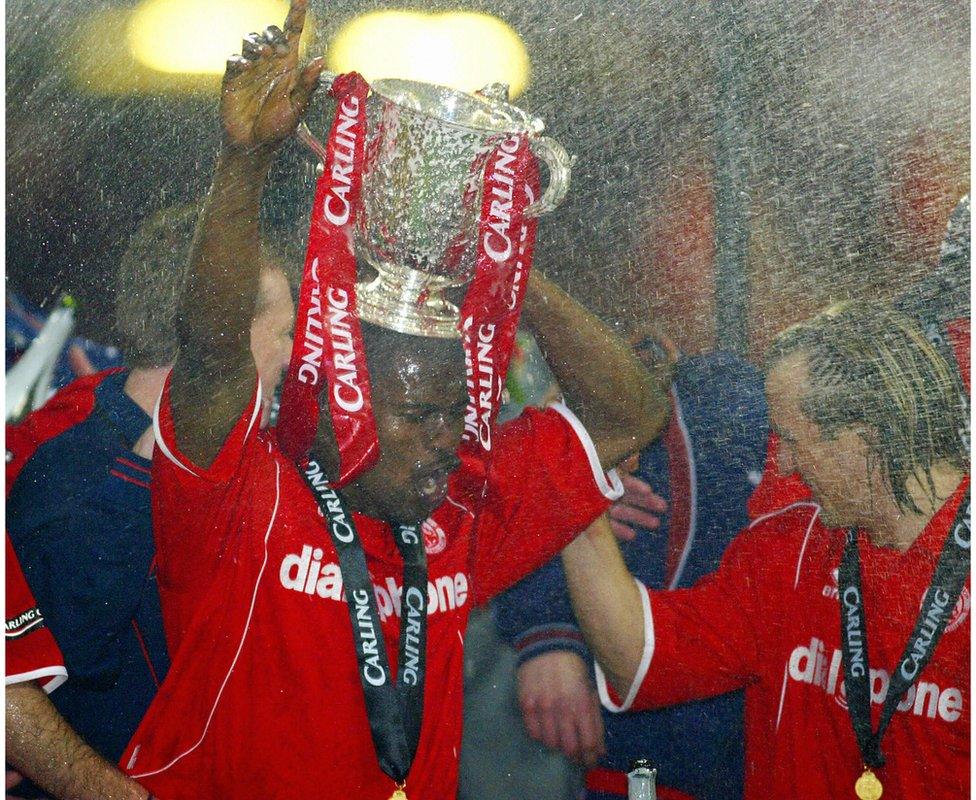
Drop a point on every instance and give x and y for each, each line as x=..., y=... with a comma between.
x=400, y=792
x=867, y=787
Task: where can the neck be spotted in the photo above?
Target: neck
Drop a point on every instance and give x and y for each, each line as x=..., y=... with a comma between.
x=898, y=528
x=326, y=453
x=359, y=501
x=144, y=385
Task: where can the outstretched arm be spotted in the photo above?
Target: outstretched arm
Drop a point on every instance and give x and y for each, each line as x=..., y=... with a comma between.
x=622, y=405
x=43, y=747
x=607, y=603
x=671, y=647
x=264, y=95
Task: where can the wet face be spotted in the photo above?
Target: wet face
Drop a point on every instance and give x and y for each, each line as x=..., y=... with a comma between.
x=835, y=468
x=419, y=400
x=271, y=334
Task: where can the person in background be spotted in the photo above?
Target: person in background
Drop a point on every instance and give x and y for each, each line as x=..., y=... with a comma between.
x=515, y=766
x=34, y=668
x=78, y=515
x=940, y=304
x=703, y=467
x=32, y=655
x=868, y=414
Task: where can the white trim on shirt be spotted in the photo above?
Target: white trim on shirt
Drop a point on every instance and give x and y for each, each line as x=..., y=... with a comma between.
x=158, y=434
x=608, y=482
x=679, y=416
x=240, y=646
x=56, y=675
x=642, y=667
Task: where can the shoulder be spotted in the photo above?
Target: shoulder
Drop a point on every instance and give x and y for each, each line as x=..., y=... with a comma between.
x=714, y=374
x=548, y=429
x=790, y=521
x=245, y=444
x=530, y=433
x=790, y=537
x=64, y=457
x=68, y=408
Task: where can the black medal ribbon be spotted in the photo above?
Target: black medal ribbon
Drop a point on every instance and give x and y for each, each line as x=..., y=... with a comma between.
x=395, y=710
x=940, y=599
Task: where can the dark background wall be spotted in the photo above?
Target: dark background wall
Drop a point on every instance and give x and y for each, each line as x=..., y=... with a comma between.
x=831, y=138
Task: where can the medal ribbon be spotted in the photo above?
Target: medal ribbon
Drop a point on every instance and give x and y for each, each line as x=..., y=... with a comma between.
x=328, y=348
x=395, y=711
x=940, y=599
x=493, y=303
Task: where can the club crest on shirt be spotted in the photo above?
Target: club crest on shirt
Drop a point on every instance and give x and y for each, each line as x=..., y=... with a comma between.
x=435, y=540
x=960, y=611
x=831, y=589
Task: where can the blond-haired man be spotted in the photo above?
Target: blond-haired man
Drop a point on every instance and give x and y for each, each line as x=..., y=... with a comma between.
x=845, y=619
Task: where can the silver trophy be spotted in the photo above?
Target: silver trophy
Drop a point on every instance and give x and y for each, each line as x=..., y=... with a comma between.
x=426, y=151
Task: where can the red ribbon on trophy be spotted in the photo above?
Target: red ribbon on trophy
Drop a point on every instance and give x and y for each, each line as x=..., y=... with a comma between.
x=493, y=303
x=328, y=348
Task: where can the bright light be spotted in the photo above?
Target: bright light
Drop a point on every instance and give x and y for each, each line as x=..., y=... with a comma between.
x=460, y=49
x=197, y=36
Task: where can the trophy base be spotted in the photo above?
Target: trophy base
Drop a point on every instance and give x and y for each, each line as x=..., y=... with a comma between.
x=407, y=301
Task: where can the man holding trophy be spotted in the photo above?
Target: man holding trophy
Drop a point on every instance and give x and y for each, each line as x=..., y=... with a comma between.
x=317, y=634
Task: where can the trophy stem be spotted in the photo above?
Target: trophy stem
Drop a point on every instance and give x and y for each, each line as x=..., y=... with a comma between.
x=407, y=301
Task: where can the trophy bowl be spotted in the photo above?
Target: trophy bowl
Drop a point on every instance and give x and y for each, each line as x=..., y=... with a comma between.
x=426, y=151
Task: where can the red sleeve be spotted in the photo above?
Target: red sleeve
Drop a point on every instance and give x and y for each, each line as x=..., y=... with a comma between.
x=231, y=451
x=196, y=508
x=66, y=408
x=544, y=487
x=706, y=640
x=31, y=652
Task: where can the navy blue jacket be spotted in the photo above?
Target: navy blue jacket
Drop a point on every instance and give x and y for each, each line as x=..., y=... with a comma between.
x=79, y=518
x=705, y=465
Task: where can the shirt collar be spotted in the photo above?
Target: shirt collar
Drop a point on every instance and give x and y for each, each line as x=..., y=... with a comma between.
x=122, y=411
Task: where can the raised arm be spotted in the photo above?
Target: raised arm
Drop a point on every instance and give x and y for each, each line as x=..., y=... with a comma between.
x=622, y=405
x=265, y=93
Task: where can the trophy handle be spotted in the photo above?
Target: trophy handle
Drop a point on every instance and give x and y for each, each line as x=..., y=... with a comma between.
x=560, y=165
x=305, y=136
x=495, y=91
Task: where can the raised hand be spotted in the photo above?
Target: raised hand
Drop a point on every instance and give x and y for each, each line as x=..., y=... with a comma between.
x=265, y=92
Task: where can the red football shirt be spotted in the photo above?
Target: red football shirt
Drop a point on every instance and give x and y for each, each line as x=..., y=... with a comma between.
x=769, y=620
x=30, y=650
x=263, y=698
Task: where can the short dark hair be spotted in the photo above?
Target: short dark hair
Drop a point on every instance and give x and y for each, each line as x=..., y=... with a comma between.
x=149, y=282
x=872, y=365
